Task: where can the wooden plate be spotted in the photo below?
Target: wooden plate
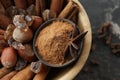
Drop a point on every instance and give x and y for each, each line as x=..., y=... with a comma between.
x=69, y=73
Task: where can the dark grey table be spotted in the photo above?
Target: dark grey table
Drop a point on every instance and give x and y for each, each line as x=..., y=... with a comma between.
x=109, y=68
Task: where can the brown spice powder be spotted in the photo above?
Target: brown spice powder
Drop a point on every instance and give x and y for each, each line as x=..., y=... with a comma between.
x=53, y=40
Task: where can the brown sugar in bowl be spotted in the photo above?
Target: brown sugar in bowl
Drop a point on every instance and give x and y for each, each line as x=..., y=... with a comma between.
x=51, y=42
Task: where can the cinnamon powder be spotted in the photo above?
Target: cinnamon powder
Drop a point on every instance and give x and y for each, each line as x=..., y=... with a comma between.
x=53, y=41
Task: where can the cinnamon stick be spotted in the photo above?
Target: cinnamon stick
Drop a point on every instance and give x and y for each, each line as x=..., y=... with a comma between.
x=0, y=60
x=2, y=9
x=42, y=5
x=3, y=44
x=43, y=73
x=21, y=4
x=4, y=71
x=69, y=7
x=4, y=21
x=2, y=32
x=25, y=74
x=2, y=37
x=37, y=7
x=9, y=75
x=56, y=6
x=30, y=2
x=1, y=49
x=73, y=13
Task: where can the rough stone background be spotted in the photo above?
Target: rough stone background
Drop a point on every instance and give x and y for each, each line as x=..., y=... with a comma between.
x=109, y=67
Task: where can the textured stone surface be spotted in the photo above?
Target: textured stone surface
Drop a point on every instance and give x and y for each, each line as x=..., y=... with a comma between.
x=109, y=67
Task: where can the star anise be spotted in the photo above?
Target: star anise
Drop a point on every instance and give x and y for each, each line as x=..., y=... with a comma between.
x=73, y=45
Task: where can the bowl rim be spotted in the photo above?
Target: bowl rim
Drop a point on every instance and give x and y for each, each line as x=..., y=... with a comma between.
x=41, y=28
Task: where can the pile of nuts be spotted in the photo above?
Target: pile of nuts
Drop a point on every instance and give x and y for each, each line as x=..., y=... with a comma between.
x=19, y=20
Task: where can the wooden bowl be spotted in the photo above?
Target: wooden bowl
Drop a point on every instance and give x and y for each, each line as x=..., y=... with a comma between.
x=70, y=72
